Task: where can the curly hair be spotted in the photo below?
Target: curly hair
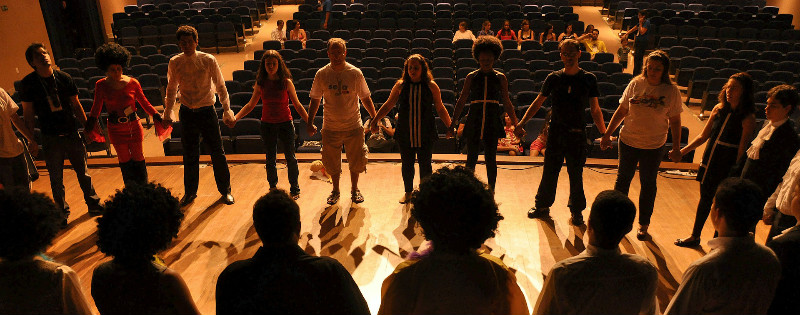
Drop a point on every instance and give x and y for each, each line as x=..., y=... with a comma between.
x=786, y=95
x=489, y=44
x=276, y=217
x=28, y=223
x=662, y=57
x=747, y=104
x=283, y=72
x=427, y=76
x=455, y=209
x=139, y=221
x=111, y=54
x=186, y=30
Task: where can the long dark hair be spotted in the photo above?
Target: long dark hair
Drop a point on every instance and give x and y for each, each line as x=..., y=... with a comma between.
x=426, y=71
x=747, y=104
x=283, y=72
x=503, y=30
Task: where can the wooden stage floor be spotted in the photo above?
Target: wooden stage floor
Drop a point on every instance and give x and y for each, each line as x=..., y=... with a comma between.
x=370, y=239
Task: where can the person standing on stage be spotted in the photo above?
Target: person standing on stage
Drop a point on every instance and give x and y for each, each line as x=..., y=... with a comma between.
x=729, y=130
x=416, y=95
x=342, y=85
x=275, y=89
x=485, y=89
x=13, y=167
x=572, y=89
x=52, y=97
x=199, y=77
x=651, y=107
x=119, y=94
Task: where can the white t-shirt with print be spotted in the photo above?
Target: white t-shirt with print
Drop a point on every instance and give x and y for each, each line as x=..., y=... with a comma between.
x=10, y=146
x=340, y=91
x=649, y=108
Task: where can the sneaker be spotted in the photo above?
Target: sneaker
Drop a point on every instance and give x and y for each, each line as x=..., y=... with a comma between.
x=577, y=219
x=540, y=213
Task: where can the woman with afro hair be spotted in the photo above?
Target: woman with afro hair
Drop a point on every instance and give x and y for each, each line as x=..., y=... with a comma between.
x=119, y=93
x=458, y=214
x=139, y=222
x=486, y=91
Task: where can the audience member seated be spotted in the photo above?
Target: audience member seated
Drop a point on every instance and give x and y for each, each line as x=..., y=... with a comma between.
x=602, y=279
x=281, y=278
x=592, y=44
x=139, y=222
x=279, y=33
x=486, y=29
x=737, y=276
x=510, y=143
x=506, y=33
x=458, y=213
x=548, y=35
x=525, y=32
x=787, y=247
x=463, y=32
x=568, y=33
x=31, y=283
x=539, y=145
x=383, y=140
x=298, y=33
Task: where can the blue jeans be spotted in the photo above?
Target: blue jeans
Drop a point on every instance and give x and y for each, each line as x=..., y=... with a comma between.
x=270, y=134
x=648, y=160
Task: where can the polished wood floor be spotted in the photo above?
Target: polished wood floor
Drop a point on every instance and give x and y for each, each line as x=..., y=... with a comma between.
x=370, y=239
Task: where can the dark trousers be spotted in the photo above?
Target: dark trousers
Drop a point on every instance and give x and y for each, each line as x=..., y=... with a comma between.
x=196, y=123
x=639, y=49
x=570, y=146
x=270, y=134
x=14, y=172
x=489, y=156
x=70, y=146
x=423, y=155
x=648, y=160
x=707, y=193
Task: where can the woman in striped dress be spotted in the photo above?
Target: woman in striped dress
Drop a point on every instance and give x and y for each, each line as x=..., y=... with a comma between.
x=416, y=96
x=729, y=130
x=486, y=91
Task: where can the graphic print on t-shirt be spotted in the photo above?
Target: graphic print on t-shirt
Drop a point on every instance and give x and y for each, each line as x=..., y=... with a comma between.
x=341, y=89
x=648, y=100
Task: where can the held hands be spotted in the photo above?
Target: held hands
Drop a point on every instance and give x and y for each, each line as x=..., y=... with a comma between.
x=769, y=217
x=228, y=117
x=33, y=148
x=373, y=127
x=675, y=155
x=605, y=142
x=311, y=129
x=167, y=118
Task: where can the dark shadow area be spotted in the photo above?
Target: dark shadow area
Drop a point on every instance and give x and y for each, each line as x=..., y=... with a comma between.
x=338, y=239
x=577, y=246
x=667, y=284
x=557, y=249
x=408, y=233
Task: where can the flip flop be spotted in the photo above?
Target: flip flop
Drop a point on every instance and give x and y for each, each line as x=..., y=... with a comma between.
x=356, y=196
x=333, y=198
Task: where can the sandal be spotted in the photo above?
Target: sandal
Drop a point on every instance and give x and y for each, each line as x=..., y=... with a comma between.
x=688, y=242
x=333, y=198
x=356, y=196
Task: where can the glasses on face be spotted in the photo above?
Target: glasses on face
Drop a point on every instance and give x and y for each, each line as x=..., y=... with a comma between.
x=569, y=54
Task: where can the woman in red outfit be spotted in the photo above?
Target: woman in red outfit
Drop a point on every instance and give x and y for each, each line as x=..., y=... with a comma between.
x=275, y=89
x=120, y=93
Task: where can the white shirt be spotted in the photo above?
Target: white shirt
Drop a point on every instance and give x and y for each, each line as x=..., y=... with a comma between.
x=763, y=136
x=198, y=77
x=10, y=146
x=781, y=199
x=600, y=281
x=649, y=109
x=737, y=276
x=278, y=34
x=463, y=35
x=340, y=91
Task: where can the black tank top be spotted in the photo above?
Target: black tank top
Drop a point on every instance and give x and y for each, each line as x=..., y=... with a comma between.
x=416, y=125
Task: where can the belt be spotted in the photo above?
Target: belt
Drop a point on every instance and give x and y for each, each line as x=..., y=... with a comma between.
x=199, y=109
x=114, y=119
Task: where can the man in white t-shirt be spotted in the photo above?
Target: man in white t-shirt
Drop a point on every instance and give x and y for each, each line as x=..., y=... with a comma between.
x=279, y=33
x=342, y=85
x=13, y=167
